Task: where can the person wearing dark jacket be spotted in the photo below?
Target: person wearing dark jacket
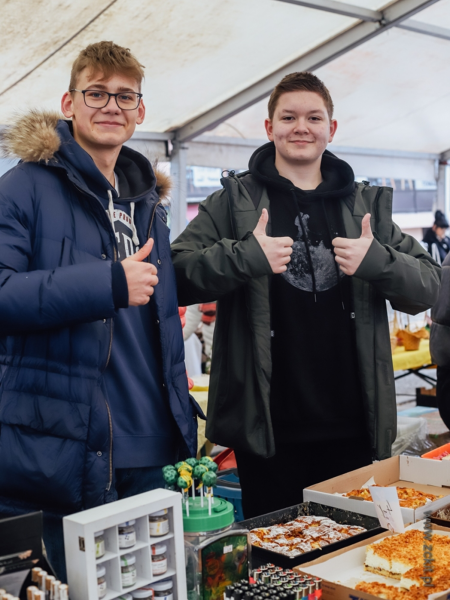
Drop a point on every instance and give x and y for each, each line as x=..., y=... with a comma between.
x=435, y=240
x=94, y=396
x=301, y=260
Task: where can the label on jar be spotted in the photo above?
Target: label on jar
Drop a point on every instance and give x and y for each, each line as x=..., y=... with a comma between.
x=159, y=595
x=126, y=540
x=159, y=567
x=129, y=578
x=101, y=589
x=99, y=548
x=159, y=527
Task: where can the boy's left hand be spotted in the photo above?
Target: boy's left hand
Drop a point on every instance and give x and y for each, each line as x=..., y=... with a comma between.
x=350, y=253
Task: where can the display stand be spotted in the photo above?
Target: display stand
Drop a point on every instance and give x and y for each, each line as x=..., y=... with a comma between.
x=79, y=530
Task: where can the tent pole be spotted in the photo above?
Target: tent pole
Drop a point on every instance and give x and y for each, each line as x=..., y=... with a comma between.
x=178, y=209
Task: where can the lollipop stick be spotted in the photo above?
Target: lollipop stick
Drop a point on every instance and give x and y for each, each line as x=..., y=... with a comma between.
x=201, y=495
x=209, y=504
x=193, y=490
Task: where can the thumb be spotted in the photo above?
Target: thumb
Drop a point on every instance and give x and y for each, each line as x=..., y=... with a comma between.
x=366, y=230
x=260, y=228
x=144, y=251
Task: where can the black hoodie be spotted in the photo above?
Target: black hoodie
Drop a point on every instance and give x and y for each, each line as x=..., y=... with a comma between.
x=315, y=388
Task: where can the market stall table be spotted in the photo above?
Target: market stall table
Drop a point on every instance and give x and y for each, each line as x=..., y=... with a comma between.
x=413, y=361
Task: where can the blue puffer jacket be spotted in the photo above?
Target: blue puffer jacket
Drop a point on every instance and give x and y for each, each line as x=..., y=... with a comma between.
x=56, y=318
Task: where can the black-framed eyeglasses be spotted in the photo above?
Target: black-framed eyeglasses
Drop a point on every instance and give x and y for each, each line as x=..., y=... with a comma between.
x=100, y=99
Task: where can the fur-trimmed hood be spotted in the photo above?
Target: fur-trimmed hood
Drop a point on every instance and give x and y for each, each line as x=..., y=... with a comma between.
x=35, y=138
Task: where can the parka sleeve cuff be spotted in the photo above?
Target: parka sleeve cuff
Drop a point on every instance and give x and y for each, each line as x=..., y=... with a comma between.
x=374, y=262
x=256, y=259
x=119, y=285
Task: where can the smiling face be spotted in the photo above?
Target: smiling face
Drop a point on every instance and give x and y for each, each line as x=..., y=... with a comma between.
x=105, y=128
x=300, y=128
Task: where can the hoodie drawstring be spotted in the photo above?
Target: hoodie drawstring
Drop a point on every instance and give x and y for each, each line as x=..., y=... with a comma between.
x=308, y=251
x=111, y=217
x=336, y=266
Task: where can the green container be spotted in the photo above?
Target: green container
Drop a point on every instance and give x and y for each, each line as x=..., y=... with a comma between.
x=217, y=553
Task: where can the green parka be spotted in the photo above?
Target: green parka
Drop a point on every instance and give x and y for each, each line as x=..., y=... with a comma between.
x=217, y=257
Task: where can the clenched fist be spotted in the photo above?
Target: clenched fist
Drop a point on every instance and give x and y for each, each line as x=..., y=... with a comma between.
x=278, y=250
x=350, y=253
x=141, y=276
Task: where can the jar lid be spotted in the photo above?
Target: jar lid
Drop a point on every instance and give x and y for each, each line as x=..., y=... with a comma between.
x=127, y=523
x=159, y=549
x=101, y=571
x=143, y=593
x=97, y=533
x=127, y=559
x=160, y=586
x=159, y=513
x=125, y=597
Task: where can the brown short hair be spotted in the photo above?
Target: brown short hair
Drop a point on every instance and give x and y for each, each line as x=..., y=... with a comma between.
x=109, y=59
x=295, y=82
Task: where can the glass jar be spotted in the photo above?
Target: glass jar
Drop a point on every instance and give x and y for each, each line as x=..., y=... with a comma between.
x=145, y=593
x=159, y=559
x=99, y=540
x=128, y=569
x=163, y=589
x=125, y=597
x=159, y=523
x=101, y=582
x=127, y=534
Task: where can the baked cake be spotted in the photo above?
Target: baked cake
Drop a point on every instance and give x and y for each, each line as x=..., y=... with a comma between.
x=302, y=535
x=409, y=498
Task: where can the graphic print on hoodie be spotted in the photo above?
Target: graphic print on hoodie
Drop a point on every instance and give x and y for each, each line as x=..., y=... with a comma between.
x=315, y=388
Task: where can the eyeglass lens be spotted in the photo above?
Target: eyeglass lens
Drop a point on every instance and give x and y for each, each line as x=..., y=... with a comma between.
x=99, y=99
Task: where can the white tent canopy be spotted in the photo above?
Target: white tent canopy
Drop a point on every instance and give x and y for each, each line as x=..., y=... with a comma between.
x=211, y=65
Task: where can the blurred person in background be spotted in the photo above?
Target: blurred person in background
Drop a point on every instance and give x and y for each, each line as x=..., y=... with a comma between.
x=435, y=240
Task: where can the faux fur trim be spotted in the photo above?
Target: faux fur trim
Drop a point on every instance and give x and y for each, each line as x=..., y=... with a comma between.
x=163, y=183
x=33, y=137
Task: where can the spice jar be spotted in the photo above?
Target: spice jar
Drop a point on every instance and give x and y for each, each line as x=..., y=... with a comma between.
x=127, y=534
x=145, y=593
x=125, y=597
x=101, y=582
x=128, y=569
x=163, y=589
x=159, y=559
x=99, y=540
x=159, y=522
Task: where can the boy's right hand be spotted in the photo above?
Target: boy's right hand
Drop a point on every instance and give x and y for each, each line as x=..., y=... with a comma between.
x=278, y=250
x=141, y=276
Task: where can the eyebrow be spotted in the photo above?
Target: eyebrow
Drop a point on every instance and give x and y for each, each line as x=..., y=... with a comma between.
x=100, y=86
x=293, y=112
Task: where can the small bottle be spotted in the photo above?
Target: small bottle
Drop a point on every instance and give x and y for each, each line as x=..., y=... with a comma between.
x=39, y=595
x=127, y=534
x=101, y=582
x=163, y=589
x=99, y=540
x=159, y=523
x=41, y=580
x=318, y=583
x=159, y=559
x=64, y=591
x=30, y=592
x=48, y=586
x=128, y=569
x=55, y=589
x=34, y=574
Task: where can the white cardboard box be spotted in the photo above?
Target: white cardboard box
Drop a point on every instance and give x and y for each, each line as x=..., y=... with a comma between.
x=401, y=471
x=342, y=569
x=79, y=545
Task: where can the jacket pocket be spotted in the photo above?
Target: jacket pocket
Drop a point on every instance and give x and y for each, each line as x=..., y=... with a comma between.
x=42, y=450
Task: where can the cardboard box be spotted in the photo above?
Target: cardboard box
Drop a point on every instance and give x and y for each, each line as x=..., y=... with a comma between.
x=348, y=564
x=402, y=471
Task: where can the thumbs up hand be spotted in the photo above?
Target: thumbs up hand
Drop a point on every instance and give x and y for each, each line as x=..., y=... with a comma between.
x=350, y=253
x=277, y=250
x=141, y=276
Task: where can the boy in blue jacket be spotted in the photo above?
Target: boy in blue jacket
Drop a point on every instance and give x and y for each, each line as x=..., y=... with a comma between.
x=93, y=397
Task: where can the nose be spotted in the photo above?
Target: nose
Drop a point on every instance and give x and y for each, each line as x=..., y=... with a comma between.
x=114, y=107
x=301, y=126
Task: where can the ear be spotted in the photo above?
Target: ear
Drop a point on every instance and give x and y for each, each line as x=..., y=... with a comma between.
x=141, y=112
x=67, y=105
x=269, y=129
x=333, y=127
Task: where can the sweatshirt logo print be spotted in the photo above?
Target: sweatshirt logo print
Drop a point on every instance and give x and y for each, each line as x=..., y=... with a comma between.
x=299, y=269
x=124, y=234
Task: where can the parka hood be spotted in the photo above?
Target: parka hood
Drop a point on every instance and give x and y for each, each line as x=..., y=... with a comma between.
x=46, y=137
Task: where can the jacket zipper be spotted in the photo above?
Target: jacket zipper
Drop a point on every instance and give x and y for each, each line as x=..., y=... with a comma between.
x=153, y=218
x=108, y=487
